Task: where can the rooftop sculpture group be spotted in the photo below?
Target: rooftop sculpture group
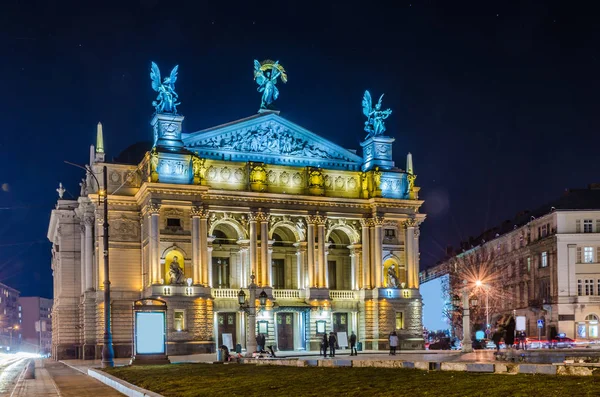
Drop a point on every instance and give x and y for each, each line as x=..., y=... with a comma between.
x=374, y=125
x=166, y=101
x=266, y=74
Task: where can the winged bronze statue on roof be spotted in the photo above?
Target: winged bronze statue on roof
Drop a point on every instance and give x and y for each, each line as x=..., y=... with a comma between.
x=375, y=124
x=166, y=101
x=266, y=74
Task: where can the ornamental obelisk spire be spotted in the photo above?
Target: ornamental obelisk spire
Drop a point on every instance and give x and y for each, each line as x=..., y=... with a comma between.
x=99, y=144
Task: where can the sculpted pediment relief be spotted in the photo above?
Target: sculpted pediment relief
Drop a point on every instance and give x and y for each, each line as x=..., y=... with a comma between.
x=269, y=138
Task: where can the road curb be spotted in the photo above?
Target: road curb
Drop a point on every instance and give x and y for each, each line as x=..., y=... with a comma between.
x=120, y=385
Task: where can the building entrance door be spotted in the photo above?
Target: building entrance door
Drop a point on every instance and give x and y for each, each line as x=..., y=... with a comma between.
x=285, y=331
x=340, y=322
x=226, y=325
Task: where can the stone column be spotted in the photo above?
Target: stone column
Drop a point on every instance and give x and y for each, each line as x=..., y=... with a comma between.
x=252, y=248
x=196, y=252
x=355, y=254
x=244, y=263
x=265, y=279
x=378, y=251
x=300, y=261
x=409, y=239
x=209, y=250
x=366, y=253
x=82, y=255
x=270, y=263
x=310, y=245
x=99, y=248
x=203, y=264
x=416, y=256
x=154, y=211
x=89, y=252
x=319, y=220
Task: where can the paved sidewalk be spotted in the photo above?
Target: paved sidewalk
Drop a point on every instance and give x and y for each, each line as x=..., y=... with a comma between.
x=57, y=379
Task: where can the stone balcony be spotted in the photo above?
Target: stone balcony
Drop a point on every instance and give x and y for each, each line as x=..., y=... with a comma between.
x=296, y=294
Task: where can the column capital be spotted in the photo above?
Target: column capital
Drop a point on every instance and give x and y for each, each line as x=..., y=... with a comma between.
x=88, y=220
x=153, y=208
x=258, y=216
x=198, y=211
x=316, y=219
x=410, y=222
x=366, y=222
x=378, y=220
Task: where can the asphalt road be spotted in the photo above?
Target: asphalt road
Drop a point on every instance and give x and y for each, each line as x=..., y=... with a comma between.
x=11, y=367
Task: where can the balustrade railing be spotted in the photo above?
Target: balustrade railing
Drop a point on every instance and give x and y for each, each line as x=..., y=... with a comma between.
x=227, y=293
x=286, y=293
x=342, y=295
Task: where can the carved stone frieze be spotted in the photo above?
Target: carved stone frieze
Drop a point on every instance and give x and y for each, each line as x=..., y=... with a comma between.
x=124, y=228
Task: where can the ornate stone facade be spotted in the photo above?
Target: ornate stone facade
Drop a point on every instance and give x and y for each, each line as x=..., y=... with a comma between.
x=318, y=228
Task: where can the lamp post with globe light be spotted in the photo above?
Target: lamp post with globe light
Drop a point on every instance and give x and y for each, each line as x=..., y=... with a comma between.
x=467, y=342
x=486, y=288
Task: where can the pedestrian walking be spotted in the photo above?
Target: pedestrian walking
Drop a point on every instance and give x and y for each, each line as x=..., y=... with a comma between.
x=353, y=351
x=496, y=337
x=260, y=342
x=393, y=339
x=324, y=343
x=332, y=344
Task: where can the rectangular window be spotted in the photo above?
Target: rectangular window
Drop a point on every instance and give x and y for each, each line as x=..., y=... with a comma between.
x=390, y=233
x=332, y=274
x=597, y=225
x=588, y=226
x=278, y=266
x=589, y=287
x=588, y=254
x=544, y=262
x=579, y=255
x=528, y=264
x=179, y=320
x=544, y=231
x=173, y=222
x=399, y=320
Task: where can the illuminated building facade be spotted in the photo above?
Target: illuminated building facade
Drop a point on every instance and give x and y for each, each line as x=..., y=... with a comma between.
x=548, y=262
x=331, y=237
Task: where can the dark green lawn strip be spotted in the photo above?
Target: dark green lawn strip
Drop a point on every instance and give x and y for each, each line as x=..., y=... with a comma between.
x=186, y=380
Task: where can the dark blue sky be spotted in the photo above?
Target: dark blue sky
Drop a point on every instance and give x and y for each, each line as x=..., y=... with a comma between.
x=497, y=101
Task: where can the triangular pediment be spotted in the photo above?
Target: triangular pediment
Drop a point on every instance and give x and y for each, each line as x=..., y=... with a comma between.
x=269, y=138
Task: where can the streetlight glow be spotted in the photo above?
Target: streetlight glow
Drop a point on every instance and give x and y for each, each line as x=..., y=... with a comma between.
x=478, y=283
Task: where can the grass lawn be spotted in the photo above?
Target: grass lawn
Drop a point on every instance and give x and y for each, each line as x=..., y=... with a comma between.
x=187, y=380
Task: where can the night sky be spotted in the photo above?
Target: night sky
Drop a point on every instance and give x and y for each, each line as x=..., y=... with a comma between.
x=497, y=100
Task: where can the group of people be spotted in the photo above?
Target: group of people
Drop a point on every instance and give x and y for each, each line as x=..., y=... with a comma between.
x=330, y=341
x=511, y=338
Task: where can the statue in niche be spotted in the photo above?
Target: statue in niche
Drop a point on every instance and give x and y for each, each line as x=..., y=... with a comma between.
x=377, y=178
x=374, y=125
x=83, y=191
x=392, y=279
x=266, y=74
x=166, y=101
x=175, y=272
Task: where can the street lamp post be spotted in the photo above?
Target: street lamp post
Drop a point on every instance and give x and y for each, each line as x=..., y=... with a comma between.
x=11, y=332
x=249, y=308
x=108, y=353
x=486, y=288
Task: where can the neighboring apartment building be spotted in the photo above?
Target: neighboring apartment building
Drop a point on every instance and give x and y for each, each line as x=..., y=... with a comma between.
x=550, y=264
x=332, y=238
x=10, y=318
x=36, y=319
